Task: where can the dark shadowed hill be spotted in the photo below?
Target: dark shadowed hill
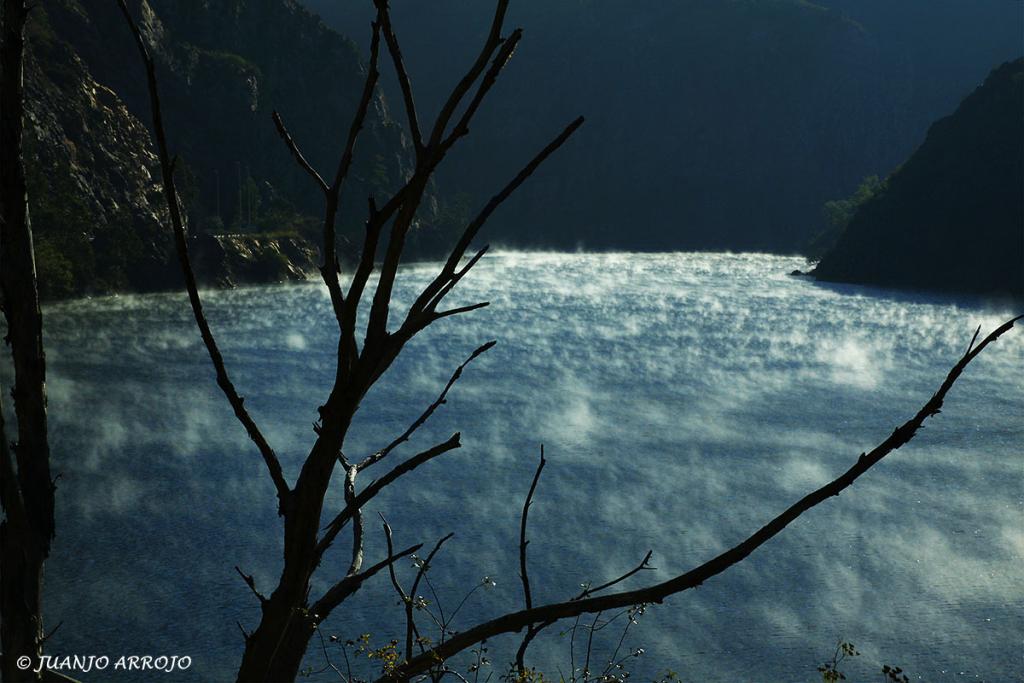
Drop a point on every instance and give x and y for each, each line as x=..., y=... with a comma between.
x=711, y=123
x=952, y=216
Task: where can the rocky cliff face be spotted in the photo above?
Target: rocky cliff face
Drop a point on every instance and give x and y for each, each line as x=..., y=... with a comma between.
x=951, y=217
x=223, y=67
x=227, y=260
x=95, y=206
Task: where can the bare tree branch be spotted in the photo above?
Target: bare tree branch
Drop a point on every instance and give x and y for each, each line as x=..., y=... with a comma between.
x=357, y=523
x=375, y=487
x=382, y=298
x=590, y=646
x=441, y=400
x=403, y=76
x=531, y=630
x=459, y=310
x=251, y=583
x=330, y=268
x=656, y=593
x=380, y=309
x=534, y=630
x=490, y=45
x=454, y=280
x=408, y=601
x=504, y=54
x=597, y=589
x=459, y=250
x=177, y=223
x=365, y=99
x=294, y=149
x=474, y=227
x=345, y=588
x=523, y=541
x=391, y=568
x=374, y=225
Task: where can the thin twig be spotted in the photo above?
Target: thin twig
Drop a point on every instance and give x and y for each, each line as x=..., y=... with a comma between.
x=365, y=99
x=454, y=280
x=613, y=661
x=289, y=141
x=523, y=541
x=391, y=569
x=403, y=76
x=329, y=270
x=410, y=625
x=590, y=646
x=440, y=619
x=407, y=599
x=643, y=565
x=500, y=60
x=377, y=485
x=441, y=400
x=534, y=630
x=459, y=310
x=523, y=572
x=327, y=657
x=178, y=225
x=350, y=584
x=459, y=92
x=459, y=250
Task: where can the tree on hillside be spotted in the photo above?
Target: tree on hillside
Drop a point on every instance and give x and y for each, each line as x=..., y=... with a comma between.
x=838, y=213
x=290, y=615
x=26, y=488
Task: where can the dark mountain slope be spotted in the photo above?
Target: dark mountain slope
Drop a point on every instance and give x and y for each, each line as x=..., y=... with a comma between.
x=223, y=66
x=711, y=123
x=951, y=217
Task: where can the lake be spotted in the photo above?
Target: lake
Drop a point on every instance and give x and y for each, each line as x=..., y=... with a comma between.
x=682, y=400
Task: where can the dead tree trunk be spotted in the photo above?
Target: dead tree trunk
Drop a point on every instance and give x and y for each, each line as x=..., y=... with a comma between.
x=26, y=489
x=274, y=651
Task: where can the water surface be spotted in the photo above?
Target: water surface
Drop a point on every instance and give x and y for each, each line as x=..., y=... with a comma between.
x=683, y=400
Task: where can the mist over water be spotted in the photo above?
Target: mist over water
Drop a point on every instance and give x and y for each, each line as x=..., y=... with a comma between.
x=683, y=400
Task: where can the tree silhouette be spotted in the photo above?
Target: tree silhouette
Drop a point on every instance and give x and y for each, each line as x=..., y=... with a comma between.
x=26, y=488
x=289, y=614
